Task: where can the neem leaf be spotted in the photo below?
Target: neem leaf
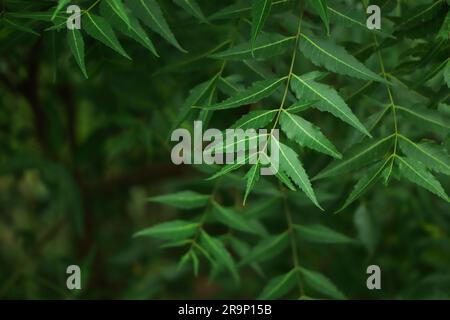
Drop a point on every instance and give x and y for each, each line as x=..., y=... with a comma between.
x=322, y=284
x=183, y=199
x=260, y=12
x=320, y=6
x=257, y=91
x=306, y=134
x=328, y=100
x=76, y=45
x=149, y=12
x=327, y=54
x=218, y=251
x=321, y=234
x=279, y=286
x=98, y=28
x=171, y=230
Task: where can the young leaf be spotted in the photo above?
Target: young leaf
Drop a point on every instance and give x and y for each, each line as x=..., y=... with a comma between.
x=329, y=100
x=321, y=234
x=416, y=172
x=252, y=177
x=149, y=12
x=431, y=155
x=183, y=199
x=98, y=28
x=230, y=218
x=76, y=45
x=171, y=230
x=257, y=91
x=267, y=248
x=306, y=134
x=279, y=286
x=358, y=156
x=327, y=54
x=321, y=7
x=255, y=119
x=293, y=168
x=218, y=251
x=322, y=284
x=192, y=7
x=260, y=12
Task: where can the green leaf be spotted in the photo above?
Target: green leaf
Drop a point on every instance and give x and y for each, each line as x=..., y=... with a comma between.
x=59, y=7
x=353, y=18
x=416, y=172
x=268, y=248
x=195, y=262
x=137, y=33
x=285, y=180
x=444, y=32
x=98, y=28
x=321, y=284
x=419, y=15
x=433, y=156
x=19, y=26
x=279, y=286
x=327, y=54
x=129, y=27
x=293, y=168
x=358, y=156
x=328, y=100
x=117, y=8
x=321, y=7
x=196, y=95
x=267, y=45
x=255, y=119
x=260, y=12
x=241, y=9
x=427, y=118
x=183, y=199
x=300, y=106
x=447, y=73
x=150, y=13
x=228, y=168
x=218, y=251
x=230, y=218
x=192, y=7
x=171, y=230
x=321, y=234
x=306, y=134
x=367, y=180
x=252, y=177
x=76, y=45
x=257, y=91
x=366, y=227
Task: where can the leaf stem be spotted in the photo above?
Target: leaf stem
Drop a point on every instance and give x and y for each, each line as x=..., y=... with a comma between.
x=292, y=237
